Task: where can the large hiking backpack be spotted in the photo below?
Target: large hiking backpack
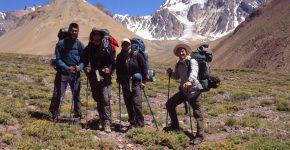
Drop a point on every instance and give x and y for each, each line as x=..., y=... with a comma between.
x=112, y=41
x=138, y=46
x=203, y=55
x=63, y=33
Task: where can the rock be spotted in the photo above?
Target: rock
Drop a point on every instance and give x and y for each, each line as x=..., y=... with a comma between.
x=120, y=146
x=228, y=129
x=129, y=146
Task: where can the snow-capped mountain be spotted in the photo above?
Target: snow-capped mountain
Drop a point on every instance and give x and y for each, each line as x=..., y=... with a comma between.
x=190, y=19
x=9, y=20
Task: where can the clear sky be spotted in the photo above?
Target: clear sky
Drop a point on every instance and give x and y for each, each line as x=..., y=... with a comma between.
x=131, y=7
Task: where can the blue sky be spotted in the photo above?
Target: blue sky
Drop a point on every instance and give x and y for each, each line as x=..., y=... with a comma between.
x=132, y=7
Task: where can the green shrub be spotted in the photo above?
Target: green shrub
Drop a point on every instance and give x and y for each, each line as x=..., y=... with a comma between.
x=149, y=137
x=266, y=103
x=266, y=143
x=231, y=122
x=283, y=107
x=239, y=139
x=7, y=138
x=251, y=122
x=257, y=115
x=239, y=96
x=221, y=145
x=5, y=118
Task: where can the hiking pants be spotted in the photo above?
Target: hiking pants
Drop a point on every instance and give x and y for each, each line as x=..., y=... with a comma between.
x=133, y=102
x=101, y=92
x=60, y=83
x=194, y=102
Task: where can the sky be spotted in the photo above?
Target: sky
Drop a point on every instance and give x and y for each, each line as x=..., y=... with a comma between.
x=131, y=7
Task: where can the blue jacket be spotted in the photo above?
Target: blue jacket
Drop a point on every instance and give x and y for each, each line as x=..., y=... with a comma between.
x=68, y=54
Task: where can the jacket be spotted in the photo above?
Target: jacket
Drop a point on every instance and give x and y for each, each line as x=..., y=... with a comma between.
x=135, y=67
x=68, y=53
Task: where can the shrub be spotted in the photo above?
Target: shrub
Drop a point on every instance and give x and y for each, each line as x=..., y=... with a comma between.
x=239, y=96
x=283, y=107
x=257, y=115
x=266, y=103
x=149, y=137
x=266, y=143
x=231, y=122
x=7, y=138
x=251, y=122
x=5, y=118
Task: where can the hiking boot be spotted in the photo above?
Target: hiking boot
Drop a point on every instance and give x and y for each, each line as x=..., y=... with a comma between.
x=171, y=128
x=196, y=140
x=52, y=116
x=107, y=126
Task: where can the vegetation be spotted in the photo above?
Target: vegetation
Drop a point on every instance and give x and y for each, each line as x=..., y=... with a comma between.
x=254, y=104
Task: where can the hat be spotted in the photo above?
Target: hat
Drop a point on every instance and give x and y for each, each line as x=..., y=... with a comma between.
x=125, y=40
x=185, y=46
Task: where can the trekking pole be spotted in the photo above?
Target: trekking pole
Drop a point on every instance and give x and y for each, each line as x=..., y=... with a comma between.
x=72, y=102
x=120, y=108
x=187, y=101
x=87, y=94
x=61, y=101
x=168, y=96
x=150, y=108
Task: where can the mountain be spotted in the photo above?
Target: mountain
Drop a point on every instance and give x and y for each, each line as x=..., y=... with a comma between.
x=36, y=32
x=262, y=41
x=9, y=20
x=191, y=19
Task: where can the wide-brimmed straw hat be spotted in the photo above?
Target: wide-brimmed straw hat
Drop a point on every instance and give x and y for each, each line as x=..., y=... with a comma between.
x=182, y=45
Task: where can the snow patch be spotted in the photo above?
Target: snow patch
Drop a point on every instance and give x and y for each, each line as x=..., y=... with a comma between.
x=2, y=15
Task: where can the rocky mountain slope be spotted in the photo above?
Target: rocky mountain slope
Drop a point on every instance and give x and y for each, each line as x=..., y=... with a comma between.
x=9, y=20
x=262, y=41
x=36, y=32
x=191, y=19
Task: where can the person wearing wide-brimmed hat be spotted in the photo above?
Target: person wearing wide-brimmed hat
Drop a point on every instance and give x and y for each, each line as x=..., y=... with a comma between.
x=99, y=60
x=189, y=90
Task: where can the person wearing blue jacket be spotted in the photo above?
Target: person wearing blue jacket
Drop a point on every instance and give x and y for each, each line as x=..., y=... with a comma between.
x=68, y=62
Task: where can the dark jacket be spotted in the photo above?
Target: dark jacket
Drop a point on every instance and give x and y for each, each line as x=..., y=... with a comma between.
x=136, y=66
x=98, y=57
x=68, y=53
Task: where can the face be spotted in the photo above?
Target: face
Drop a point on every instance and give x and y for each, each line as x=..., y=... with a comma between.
x=181, y=53
x=97, y=38
x=126, y=46
x=74, y=33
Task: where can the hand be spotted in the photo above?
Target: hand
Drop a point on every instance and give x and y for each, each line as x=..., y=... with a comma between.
x=77, y=68
x=87, y=69
x=169, y=71
x=187, y=85
x=106, y=70
x=70, y=69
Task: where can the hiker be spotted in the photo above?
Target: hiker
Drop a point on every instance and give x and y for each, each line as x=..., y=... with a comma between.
x=131, y=73
x=68, y=65
x=190, y=90
x=99, y=59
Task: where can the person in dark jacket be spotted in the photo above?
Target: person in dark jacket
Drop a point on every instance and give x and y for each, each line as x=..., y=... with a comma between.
x=99, y=59
x=68, y=53
x=131, y=72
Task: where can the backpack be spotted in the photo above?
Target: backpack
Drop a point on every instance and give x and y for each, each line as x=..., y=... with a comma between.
x=138, y=46
x=63, y=33
x=203, y=55
x=112, y=41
